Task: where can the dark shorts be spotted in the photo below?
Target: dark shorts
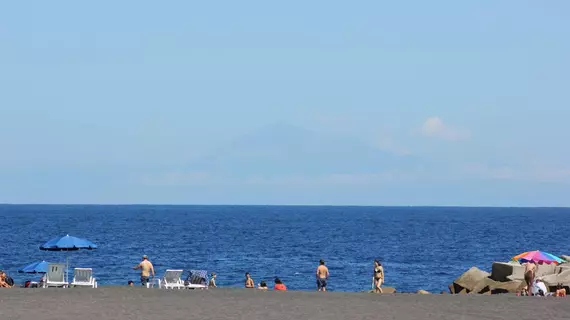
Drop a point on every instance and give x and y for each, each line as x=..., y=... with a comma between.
x=144, y=280
x=321, y=283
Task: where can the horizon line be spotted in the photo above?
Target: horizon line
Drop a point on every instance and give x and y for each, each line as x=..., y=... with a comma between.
x=278, y=205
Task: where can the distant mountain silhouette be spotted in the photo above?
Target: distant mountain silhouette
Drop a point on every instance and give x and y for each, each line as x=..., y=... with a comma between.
x=284, y=149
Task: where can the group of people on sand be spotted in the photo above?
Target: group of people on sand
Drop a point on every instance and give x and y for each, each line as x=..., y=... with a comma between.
x=250, y=284
x=537, y=287
x=322, y=275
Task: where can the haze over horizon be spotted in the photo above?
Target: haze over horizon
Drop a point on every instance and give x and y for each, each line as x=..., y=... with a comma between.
x=330, y=103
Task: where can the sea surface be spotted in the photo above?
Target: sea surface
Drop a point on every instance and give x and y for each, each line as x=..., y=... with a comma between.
x=420, y=247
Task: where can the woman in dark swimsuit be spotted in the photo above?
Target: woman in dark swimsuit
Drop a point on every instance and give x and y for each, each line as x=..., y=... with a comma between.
x=378, y=276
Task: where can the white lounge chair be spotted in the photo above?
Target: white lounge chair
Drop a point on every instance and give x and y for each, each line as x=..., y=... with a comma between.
x=171, y=280
x=55, y=277
x=83, y=277
x=197, y=279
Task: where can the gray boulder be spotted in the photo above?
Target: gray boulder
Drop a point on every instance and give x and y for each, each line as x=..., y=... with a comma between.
x=561, y=268
x=545, y=270
x=554, y=279
x=469, y=280
x=490, y=286
x=507, y=271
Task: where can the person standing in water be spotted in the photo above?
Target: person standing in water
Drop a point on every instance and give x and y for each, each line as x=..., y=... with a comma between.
x=322, y=276
x=378, y=276
x=249, y=283
x=147, y=269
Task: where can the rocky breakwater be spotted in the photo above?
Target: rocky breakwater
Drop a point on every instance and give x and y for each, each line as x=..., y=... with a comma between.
x=508, y=277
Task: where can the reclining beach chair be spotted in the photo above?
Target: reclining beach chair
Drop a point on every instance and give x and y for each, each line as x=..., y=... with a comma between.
x=55, y=277
x=83, y=277
x=197, y=279
x=171, y=280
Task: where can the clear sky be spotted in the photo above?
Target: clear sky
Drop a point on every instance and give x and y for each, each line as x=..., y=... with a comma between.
x=292, y=102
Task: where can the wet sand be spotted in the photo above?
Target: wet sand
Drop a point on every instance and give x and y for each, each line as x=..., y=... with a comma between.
x=139, y=303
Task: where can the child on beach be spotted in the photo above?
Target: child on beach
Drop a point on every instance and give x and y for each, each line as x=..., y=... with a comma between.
x=560, y=291
x=279, y=286
x=212, y=283
x=249, y=283
x=5, y=281
x=262, y=286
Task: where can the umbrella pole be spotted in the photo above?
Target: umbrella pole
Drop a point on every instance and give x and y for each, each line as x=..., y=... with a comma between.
x=67, y=268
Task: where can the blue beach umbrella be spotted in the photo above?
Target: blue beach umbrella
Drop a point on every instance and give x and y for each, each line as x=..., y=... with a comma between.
x=68, y=243
x=36, y=267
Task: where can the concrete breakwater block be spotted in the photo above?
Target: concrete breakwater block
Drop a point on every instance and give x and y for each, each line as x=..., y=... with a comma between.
x=490, y=286
x=468, y=281
x=507, y=271
x=553, y=280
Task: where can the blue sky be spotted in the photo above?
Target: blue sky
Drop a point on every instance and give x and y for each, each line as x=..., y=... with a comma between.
x=298, y=102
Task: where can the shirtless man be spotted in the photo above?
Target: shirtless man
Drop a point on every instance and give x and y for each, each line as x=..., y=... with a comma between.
x=529, y=273
x=146, y=270
x=249, y=283
x=322, y=276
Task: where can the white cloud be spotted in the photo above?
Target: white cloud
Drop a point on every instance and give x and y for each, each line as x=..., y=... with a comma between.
x=386, y=143
x=435, y=127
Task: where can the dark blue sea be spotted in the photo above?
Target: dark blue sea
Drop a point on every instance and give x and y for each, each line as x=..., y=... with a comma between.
x=421, y=247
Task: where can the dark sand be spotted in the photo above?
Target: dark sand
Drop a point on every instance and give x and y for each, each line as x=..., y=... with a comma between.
x=139, y=303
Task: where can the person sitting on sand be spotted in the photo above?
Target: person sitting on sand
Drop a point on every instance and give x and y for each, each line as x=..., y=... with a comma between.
x=5, y=281
x=529, y=273
x=249, y=283
x=322, y=276
x=146, y=270
x=560, y=291
x=539, y=288
x=212, y=283
x=279, y=285
x=262, y=286
x=378, y=276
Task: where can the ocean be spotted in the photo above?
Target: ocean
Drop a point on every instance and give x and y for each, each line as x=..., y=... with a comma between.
x=420, y=247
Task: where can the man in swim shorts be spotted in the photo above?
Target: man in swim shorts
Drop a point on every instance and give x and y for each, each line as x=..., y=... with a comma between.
x=322, y=276
x=146, y=270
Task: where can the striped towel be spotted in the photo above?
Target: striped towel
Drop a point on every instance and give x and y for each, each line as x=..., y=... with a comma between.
x=197, y=277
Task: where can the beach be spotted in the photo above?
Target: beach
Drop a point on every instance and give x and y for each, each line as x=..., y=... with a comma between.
x=139, y=303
